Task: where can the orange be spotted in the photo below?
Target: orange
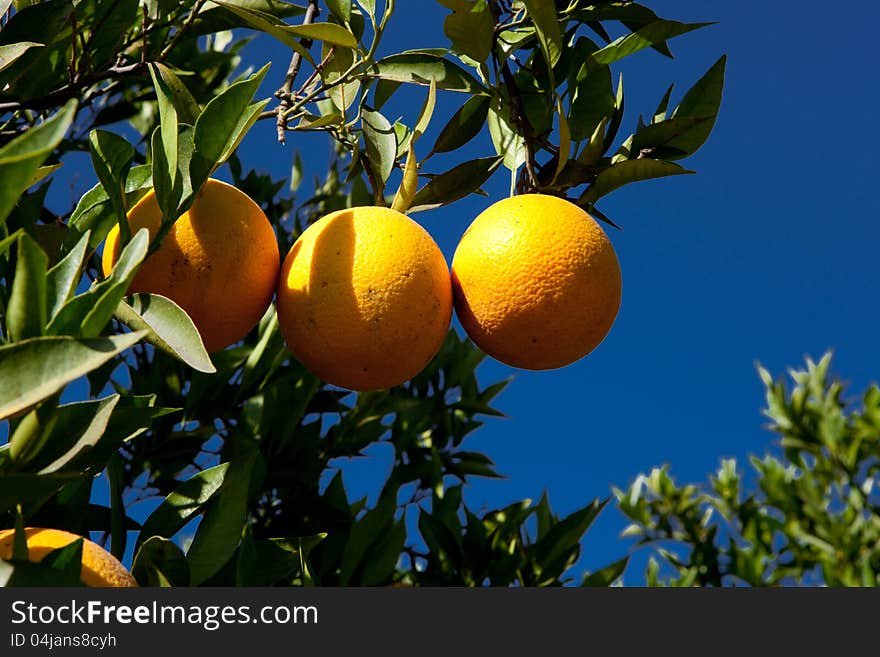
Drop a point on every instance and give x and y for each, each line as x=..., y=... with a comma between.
x=219, y=262
x=99, y=567
x=364, y=299
x=536, y=282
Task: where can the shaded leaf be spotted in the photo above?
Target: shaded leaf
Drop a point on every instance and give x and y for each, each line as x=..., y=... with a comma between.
x=456, y=183
x=34, y=369
x=626, y=172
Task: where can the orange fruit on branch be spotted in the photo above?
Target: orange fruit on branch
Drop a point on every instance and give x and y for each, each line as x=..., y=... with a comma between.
x=99, y=567
x=219, y=262
x=364, y=298
x=536, y=281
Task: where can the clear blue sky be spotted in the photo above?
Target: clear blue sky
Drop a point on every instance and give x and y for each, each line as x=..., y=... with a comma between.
x=768, y=254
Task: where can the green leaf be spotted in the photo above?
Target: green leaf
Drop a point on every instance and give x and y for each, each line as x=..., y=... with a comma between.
x=112, y=157
x=182, y=505
x=327, y=32
x=370, y=529
x=44, y=171
x=567, y=533
x=30, y=490
x=408, y=185
x=628, y=171
x=465, y=124
x=594, y=148
x=509, y=144
x=648, y=35
x=427, y=111
x=368, y=6
x=159, y=562
x=86, y=315
x=592, y=92
x=421, y=68
x=167, y=327
x=26, y=312
x=220, y=531
x=564, y=140
x=21, y=157
x=223, y=123
x=543, y=15
x=168, y=121
x=63, y=278
x=470, y=28
x=118, y=517
x=167, y=193
x=381, y=143
x=456, y=183
x=36, y=368
x=343, y=94
x=272, y=25
x=13, y=51
x=341, y=9
x=658, y=135
x=47, y=439
x=702, y=100
x=173, y=89
x=607, y=575
x=94, y=211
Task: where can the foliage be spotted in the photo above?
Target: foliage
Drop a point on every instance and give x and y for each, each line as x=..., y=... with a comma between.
x=245, y=441
x=814, y=514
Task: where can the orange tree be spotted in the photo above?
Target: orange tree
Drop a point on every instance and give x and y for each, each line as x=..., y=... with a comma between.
x=97, y=381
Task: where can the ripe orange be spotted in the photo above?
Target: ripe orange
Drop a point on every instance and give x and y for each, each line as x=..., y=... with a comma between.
x=364, y=298
x=536, y=282
x=99, y=567
x=219, y=262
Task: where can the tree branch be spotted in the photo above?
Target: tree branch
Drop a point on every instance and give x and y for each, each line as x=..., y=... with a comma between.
x=292, y=70
x=68, y=91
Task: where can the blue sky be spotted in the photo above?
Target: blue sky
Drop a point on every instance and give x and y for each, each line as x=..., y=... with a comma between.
x=767, y=254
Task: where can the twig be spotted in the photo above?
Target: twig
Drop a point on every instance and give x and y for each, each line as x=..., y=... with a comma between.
x=182, y=30
x=292, y=70
x=69, y=91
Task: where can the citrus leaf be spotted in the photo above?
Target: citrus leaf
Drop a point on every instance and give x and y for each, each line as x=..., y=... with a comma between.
x=648, y=35
x=421, y=68
x=34, y=369
x=112, y=157
x=30, y=490
x=167, y=327
x=326, y=32
x=95, y=213
x=456, y=183
x=543, y=15
x=183, y=504
x=59, y=434
x=628, y=171
x=13, y=51
x=464, y=125
x=408, y=185
x=427, y=111
x=223, y=123
x=26, y=313
x=701, y=100
x=470, y=28
x=21, y=157
x=159, y=562
x=220, y=531
x=86, y=315
x=381, y=143
x=265, y=22
x=62, y=279
x=175, y=90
